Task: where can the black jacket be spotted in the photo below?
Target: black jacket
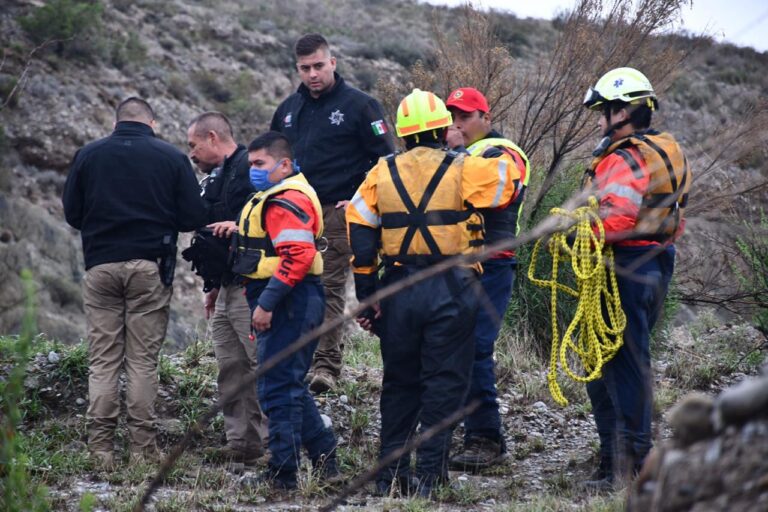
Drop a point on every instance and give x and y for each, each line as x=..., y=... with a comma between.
x=335, y=138
x=128, y=190
x=228, y=187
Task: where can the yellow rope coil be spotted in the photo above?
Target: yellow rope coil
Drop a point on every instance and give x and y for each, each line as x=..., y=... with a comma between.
x=599, y=338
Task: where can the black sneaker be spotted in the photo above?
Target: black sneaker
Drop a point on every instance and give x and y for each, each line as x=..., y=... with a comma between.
x=405, y=485
x=479, y=453
x=326, y=470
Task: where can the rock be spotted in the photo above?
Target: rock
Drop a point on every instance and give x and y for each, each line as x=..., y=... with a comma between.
x=53, y=357
x=540, y=406
x=326, y=421
x=691, y=419
x=742, y=402
x=80, y=402
x=344, y=399
x=32, y=382
x=172, y=426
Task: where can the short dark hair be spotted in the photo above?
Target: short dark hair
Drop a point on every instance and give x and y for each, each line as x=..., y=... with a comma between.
x=309, y=44
x=134, y=109
x=640, y=116
x=213, y=122
x=275, y=143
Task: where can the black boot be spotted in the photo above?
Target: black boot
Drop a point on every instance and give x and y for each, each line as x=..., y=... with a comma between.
x=602, y=480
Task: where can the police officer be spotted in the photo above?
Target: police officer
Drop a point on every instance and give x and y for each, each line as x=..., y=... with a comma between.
x=471, y=132
x=212, y=147
x=129, y=194
x=277, y=255
x=418, y=207
x=641, y=178
x=337, y=133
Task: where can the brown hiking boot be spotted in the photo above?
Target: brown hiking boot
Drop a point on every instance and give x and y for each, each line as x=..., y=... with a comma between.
x=226, y=454
x=478, y=453
x=103, y=460
x=322, y=382
x=151, y=455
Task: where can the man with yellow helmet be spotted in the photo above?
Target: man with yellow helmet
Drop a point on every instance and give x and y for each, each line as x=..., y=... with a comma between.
x=413, y=210
x=641, y=179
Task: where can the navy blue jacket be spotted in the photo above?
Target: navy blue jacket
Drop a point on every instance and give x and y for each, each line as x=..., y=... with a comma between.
x=335, y=138
x=126, y=192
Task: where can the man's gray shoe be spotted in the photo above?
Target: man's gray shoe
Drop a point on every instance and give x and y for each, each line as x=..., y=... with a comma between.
x=479, y=453
x=228, y=454
x=322, y=382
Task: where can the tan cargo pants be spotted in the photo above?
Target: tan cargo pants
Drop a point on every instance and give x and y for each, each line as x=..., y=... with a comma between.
x=244, y=423
x=126, y=307
x=335, y=269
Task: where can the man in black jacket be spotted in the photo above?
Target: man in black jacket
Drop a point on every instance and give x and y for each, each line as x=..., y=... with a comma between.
x=337, y=134
x=213, y=149
x=129, y=194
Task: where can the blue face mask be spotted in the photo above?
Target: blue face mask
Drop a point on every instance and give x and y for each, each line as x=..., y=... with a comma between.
x=259, y=179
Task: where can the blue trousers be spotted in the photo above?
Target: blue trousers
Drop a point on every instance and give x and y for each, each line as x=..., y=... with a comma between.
x=622, y=400
x=427, y=342
x=293, y=417
x=497, y=278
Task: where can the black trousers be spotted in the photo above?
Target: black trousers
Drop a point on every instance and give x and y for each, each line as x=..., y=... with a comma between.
x=427, y=345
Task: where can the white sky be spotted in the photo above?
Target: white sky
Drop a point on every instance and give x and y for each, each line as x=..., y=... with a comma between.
x=741, y=22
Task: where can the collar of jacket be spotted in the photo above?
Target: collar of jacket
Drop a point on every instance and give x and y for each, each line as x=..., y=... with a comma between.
x=228, y=161
x=338, y=85
x=133, y=128
x=493, y=134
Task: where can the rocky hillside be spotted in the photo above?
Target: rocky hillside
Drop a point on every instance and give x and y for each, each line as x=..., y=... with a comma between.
x=59, y=86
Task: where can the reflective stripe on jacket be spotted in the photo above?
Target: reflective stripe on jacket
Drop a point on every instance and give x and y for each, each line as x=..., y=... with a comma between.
x=418, y=227
x=642, y=183
x=504, y=223
x=255, y=254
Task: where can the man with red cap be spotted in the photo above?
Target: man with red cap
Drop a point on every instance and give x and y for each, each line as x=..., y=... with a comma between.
x=471, y=131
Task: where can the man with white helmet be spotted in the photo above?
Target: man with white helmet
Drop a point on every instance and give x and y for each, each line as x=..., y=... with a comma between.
x=641, y=179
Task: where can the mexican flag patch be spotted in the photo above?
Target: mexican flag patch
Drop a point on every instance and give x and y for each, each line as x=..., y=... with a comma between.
x=379, y=127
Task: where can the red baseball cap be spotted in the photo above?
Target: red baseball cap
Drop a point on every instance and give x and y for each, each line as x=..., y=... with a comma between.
x=467, y=99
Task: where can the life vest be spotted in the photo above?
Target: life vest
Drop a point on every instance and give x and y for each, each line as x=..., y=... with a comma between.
x=423, y=216
x=254, y=255
x=663, y=204
x=500, y=224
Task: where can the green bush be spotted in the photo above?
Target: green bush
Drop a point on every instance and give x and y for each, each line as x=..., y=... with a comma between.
x=127, y=51
x=753, y=247
x=75, y=26
x=7, y=84
x=529, y=312
x=17, y=491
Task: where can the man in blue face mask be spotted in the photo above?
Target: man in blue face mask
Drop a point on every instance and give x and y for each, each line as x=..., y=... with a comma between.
x=276, y=254
x=260, y=178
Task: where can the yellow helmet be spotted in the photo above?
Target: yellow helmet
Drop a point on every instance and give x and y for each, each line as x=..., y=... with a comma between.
x=421, y=111
x=621, y=84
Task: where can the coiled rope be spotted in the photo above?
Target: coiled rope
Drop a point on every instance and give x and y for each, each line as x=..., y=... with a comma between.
x=599, y=336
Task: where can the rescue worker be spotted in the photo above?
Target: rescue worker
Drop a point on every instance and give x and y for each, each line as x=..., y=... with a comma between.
x=337, y=133
x=275, y=251
x=419, y=208
x=471, y=131
x=641, y=179
x=213, y=149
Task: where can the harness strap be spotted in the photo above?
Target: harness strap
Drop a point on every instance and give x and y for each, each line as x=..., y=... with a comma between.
x=416, y=216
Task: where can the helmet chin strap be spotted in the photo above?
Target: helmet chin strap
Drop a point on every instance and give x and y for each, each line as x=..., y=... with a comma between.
x=605, y=142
